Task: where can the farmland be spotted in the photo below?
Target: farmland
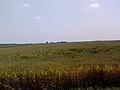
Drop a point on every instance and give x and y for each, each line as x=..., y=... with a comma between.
x=60, y=66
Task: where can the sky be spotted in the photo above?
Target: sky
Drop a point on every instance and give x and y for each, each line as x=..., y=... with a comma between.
x=33, y=21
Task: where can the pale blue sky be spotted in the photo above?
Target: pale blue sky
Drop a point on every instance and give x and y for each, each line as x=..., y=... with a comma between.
x=24, y=21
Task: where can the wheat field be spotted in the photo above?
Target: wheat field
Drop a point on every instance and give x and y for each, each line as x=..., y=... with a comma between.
x=60, y=66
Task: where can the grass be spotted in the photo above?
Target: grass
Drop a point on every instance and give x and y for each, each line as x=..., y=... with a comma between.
x=61, y=66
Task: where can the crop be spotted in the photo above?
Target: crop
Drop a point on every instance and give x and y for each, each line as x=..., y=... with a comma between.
x=63, y=66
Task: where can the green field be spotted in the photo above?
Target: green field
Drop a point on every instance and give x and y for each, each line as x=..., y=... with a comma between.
x=60, y=66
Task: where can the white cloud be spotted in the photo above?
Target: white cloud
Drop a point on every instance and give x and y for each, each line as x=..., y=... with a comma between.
x=94, y=5
x=26, y=5
x=37, y=18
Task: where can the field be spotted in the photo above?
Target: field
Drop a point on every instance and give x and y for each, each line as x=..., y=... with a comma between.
x=61, y=66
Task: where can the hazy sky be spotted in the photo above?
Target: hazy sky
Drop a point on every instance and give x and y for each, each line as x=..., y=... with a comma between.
x=59, y=20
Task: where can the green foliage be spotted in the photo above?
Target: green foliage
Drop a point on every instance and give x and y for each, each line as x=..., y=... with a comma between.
x=60, y=66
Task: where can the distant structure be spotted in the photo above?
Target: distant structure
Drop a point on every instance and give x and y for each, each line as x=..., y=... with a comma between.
x=58, y=42
x=46, y=42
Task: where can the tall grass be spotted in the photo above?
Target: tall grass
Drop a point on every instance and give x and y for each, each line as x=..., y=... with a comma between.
x=60, y=66
x=98, y=75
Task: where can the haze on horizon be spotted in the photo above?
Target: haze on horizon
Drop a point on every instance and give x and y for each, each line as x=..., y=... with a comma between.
x=59, y=20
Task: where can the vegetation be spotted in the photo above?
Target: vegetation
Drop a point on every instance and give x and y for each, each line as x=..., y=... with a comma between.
x=61, y=66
